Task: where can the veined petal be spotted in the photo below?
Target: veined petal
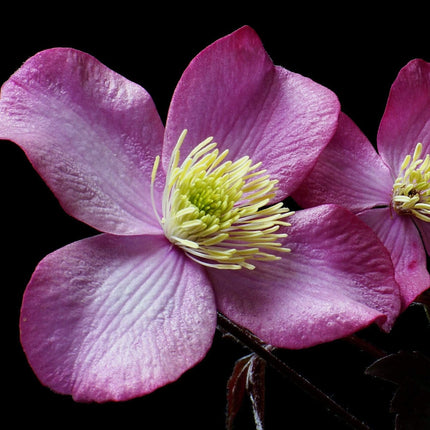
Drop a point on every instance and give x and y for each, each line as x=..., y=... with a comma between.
x=233, y=92
x=90, y=133
x=406, y=120
x=402, y=239
x=349, y=172
x=337, y=279
x=112, y=318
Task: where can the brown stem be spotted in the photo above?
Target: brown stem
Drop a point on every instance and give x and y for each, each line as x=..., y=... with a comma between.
x=253, y=343
x=366, y=346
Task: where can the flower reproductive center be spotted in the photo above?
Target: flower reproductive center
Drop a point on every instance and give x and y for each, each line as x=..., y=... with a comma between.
x=216, y=209
x=411, y=190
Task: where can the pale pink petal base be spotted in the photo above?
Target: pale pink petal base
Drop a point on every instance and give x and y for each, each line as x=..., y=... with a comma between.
x=401, y=237
x=337, y=279
x=112, y=318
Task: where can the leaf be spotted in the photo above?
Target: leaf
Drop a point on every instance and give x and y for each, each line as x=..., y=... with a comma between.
x=248, y=377
x=236, y=387
x=256, y=389
x=411, y=402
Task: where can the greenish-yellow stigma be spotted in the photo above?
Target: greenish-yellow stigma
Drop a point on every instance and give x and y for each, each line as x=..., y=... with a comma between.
x=216, y=210
x=411, y=190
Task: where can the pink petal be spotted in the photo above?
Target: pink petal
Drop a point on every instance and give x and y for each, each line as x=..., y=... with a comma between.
x=90, y=133
x=402, y=239
x=349, y=172
x=424, y=228
x=406, y=120
x=337, y=279
x=233, y=92
x=112, y=318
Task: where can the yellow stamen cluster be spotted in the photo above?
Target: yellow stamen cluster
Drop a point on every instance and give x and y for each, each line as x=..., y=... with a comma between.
x=215, y=210
x=411, y=190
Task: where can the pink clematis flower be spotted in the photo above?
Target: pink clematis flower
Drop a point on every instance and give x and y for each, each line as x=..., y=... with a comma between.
x=188, y=226
x=390, y=191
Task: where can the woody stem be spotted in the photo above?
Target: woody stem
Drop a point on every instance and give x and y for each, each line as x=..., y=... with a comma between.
x=253, y=343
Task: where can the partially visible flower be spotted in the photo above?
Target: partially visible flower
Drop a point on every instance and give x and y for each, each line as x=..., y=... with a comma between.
x=389, y=191
x=189, y=226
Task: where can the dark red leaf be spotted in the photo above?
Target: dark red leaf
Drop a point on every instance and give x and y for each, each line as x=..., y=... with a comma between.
x=256, y=389
x=248, y=378
x=236, y=387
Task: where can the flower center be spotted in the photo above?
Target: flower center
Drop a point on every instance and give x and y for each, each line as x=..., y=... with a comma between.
x=411, y=190
x=215, y=210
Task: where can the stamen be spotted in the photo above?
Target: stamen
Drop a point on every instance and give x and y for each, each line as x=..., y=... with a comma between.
x=153, y=175
x=215, y=210
x=411, y=190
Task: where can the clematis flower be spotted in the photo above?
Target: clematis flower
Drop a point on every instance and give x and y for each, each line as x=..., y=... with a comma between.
x=190, y=224
x=390, y=191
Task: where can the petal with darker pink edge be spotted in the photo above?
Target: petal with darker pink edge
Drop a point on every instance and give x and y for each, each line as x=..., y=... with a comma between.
x=337, y=279
x=406, y=120
x=112, y=318
x=233, y=92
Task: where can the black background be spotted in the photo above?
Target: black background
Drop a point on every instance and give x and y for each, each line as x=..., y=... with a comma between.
x=355, y=51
